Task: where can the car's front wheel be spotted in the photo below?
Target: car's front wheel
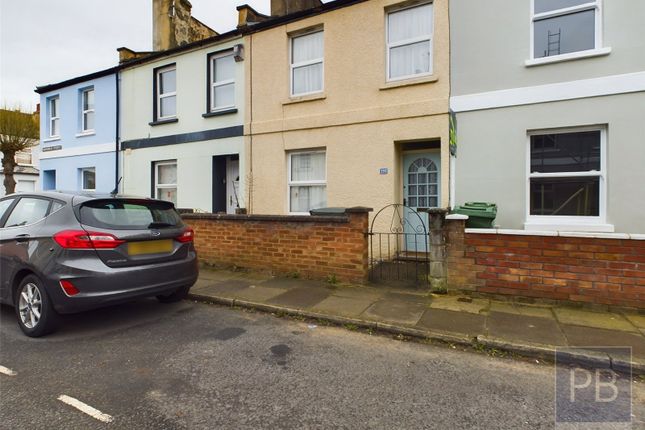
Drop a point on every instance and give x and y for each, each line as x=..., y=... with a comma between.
x=36, y=316
x=176, y=296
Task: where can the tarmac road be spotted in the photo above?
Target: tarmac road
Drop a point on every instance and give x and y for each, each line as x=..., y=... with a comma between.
x=189, y=365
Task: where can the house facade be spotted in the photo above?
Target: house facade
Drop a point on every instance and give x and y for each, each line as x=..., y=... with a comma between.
x=349, y=106
x=182, y=122
x=550, y=105
x=78, y=133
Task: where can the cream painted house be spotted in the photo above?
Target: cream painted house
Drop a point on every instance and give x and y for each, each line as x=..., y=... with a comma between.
x=347, y=105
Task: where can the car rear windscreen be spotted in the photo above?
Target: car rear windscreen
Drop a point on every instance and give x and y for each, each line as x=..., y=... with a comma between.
x=121, y=214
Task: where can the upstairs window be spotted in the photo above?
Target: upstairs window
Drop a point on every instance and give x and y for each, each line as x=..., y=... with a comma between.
x=222, y=82
x=567, y=174
x=54, y=117
x=565, y=26
x=87, y=110
x=307, y=63
x=409, y=42
x=166, y=92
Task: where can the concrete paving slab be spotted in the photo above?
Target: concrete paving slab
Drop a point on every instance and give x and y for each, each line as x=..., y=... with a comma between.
x=260, y=293
x=636, y=319
x=453, y=322
x=587, y=336
x=524, y=328
x=407, y=297
x=453, y=303
x=202, y=284
x=227, y=288
x=300, y=298
x=217, y=275
x=395, y=311
x=584, y=318
x=518, y=309
x=363, y=293
x=345, y=306
x=290, y=283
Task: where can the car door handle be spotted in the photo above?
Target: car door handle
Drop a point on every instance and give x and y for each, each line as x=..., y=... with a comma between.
x=21, y=238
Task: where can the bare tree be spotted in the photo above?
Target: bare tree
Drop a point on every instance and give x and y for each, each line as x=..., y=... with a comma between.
x=18, y=131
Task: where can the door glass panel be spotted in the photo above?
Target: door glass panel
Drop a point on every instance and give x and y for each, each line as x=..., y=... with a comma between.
x=28, y=211
x=433, y=202
x=422, y=188
x=423, y=202
x=412, y=179
x=413, y=202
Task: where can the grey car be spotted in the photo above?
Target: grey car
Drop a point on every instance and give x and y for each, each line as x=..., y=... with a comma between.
x=65, y=253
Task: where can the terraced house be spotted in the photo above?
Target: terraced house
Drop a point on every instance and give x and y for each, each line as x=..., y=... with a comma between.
x=182, y=114
x=78, y=132
x=349, y=106
x=550, y=102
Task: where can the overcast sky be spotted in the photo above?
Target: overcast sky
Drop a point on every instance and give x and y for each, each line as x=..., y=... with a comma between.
x=48, y=41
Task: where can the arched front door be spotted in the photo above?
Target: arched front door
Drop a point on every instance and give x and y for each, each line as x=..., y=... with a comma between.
x=421, y=189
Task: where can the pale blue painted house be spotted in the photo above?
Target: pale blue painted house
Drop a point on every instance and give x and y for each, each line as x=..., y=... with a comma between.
x=79, y=133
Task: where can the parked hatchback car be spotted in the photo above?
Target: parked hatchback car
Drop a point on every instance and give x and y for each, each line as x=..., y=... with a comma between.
x=65, y=253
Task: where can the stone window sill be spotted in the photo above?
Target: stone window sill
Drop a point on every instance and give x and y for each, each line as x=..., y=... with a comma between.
x=164, y=121
x=86, y=133
x=409, y=82
x=568, y=57
x=51, y=139
x=219, y=112
x=303, y=99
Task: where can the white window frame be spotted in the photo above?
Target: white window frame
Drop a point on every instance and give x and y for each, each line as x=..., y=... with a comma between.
x=598, y=49
x=84, y=93
x=88, y=169
x=565, y=222
x=214, y=84
x=293, y=66
x=291, y=183
x=157, y=184
x=160, y=96
x=389, y=46
x=51, y=119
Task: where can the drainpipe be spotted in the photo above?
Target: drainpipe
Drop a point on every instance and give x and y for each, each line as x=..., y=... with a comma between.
x=116, y=135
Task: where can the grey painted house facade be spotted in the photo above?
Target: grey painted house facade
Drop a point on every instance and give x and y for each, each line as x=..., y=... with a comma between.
x=549, y=97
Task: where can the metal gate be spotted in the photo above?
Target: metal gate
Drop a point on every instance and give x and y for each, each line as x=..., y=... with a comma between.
x=398, y=248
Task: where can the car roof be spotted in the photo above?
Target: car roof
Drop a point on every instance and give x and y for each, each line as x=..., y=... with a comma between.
x=74, y=196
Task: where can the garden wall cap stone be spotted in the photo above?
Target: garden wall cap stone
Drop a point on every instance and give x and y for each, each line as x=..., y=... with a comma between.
x=434, y=211
x=457, y=217
x=358, y=210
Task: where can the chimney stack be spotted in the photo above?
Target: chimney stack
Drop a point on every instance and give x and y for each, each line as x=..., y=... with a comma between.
x=286, y=7
x=172, y=25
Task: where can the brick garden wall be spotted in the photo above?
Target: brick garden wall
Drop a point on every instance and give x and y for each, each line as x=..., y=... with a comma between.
x=577, y=269
x=312, y=246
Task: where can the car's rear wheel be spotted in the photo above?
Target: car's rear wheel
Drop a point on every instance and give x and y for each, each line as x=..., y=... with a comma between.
x=36, y=316
x=176, y=296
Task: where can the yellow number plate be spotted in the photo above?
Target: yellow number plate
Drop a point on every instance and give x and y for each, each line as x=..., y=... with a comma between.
x=150, y=247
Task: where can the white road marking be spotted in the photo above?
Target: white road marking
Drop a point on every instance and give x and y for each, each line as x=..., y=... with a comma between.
x=7, y=371
x=94, y=413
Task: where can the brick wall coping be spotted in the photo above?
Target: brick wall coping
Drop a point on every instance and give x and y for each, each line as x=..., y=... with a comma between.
x=269, y=218
x=556, y=233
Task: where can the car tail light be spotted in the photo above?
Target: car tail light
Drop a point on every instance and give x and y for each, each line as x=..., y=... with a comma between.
x=68, y=288
x=80, y=239
x=186, y=236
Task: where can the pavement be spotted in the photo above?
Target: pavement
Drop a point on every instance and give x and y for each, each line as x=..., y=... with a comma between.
x=534, y=330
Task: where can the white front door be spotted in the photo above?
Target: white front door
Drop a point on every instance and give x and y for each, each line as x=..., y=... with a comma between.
x=232, y=185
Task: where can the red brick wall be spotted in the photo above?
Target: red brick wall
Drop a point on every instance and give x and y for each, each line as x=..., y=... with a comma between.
x=313, y=246
x=590, y=270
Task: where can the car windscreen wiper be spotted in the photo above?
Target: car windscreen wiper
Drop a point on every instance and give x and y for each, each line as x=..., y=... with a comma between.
x=160, y=225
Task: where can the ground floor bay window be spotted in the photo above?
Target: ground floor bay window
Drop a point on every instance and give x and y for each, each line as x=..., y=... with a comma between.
x=567, y=179
x=307, y=181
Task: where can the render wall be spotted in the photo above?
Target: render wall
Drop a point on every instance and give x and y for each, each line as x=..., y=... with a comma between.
x=490, y=42
x=493, y=149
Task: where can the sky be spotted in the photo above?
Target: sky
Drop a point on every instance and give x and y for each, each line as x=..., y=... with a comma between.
x=48, y=41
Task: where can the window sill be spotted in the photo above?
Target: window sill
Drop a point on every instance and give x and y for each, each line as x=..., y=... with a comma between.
x=307, y=98
x=163, y=121
x=51, y=139
x=568, y=57
x=219, y=112
x=86, y=133
x=409, y=82
x=568, y=226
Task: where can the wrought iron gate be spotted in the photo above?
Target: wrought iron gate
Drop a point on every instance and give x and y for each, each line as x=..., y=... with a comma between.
x=398, y=247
